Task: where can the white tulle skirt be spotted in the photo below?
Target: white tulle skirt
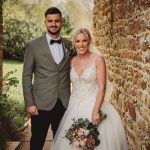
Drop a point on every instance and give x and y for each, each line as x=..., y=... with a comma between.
x=112, y=135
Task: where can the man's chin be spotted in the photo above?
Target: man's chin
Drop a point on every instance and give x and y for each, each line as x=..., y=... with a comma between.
x=54, y=33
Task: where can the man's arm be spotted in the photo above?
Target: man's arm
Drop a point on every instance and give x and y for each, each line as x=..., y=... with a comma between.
x=28, y=69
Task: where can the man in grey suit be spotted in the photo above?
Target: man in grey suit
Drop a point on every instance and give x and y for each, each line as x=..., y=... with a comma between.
x=46, y=82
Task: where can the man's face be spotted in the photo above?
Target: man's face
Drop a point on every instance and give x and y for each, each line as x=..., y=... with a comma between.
x=53, y=24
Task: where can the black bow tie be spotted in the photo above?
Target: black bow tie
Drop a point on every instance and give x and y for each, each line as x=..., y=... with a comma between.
x=55, y=41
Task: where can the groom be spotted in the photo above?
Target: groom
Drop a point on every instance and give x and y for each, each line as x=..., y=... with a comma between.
x=46, y=82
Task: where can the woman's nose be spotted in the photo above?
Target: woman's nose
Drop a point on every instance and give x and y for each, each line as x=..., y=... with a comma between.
x=81, y=43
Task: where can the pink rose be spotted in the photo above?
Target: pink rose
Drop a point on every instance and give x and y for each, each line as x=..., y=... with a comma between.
x=85, y=139
x=76, y=143
x=86, y=132
x=80, y=132
x=82, y=143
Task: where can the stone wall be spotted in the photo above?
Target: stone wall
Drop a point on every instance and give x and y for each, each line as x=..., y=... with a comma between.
x=1, y=52
x=121, y=30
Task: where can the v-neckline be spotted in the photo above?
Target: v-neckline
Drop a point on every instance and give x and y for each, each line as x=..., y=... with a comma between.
x=81, y=74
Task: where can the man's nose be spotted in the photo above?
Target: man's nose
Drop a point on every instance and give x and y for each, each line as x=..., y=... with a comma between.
x=53, y=23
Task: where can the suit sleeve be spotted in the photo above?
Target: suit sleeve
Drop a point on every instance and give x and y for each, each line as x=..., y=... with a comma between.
x=28, y=69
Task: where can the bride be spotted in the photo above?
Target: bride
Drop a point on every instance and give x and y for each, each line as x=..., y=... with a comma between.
x=88, y=77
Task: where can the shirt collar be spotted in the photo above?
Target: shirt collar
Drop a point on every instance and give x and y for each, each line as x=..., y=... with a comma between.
x=49, y=38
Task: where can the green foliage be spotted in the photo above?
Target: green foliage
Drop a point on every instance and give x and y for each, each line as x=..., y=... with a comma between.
x=12, y=111
x=14, y=92
x=67, y=28
x=9, y=81
x=20, y=27
x=76, y=13
x=24, y=21
x=16, y=35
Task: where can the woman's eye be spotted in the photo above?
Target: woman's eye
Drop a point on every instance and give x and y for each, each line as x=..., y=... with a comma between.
x=84, y=40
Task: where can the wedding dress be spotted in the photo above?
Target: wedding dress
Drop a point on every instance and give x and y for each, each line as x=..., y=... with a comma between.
x=85, y=87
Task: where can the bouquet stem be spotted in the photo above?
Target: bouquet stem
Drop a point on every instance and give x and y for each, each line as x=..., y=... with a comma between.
x=102, y=115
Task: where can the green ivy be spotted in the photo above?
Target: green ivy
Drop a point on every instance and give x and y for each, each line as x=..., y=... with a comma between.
x=12, y=112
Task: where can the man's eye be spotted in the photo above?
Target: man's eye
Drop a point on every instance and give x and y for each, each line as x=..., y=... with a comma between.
x=57, y=21
x=49, y=20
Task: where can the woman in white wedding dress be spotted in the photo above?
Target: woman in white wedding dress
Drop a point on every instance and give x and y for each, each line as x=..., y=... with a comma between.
x=88, y=77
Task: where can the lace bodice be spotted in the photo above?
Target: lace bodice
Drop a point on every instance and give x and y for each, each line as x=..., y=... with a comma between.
x=84, y=84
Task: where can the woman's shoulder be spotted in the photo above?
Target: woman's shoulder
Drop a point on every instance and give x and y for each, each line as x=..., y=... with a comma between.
x=73, y=60
x=97, y=57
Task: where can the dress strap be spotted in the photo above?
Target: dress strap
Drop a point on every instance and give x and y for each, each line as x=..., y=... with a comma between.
x=96, y=56
x=73, y=61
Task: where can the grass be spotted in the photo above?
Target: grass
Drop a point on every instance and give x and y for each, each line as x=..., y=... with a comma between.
x=11, y=65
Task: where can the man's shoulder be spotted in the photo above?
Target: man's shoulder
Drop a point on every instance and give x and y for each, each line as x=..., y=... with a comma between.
x=69, y=46
x=66, y=41
x=37, y=40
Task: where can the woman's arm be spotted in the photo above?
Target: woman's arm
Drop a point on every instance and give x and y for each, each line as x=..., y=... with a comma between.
x=101, y=79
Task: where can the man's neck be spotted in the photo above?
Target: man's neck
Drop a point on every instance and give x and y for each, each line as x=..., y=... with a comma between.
x=54, y=36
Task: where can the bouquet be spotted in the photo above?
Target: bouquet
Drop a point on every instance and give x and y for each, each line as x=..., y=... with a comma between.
x=83, y=133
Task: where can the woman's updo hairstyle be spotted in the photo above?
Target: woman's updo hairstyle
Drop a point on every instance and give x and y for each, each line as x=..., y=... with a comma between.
x=84, y=31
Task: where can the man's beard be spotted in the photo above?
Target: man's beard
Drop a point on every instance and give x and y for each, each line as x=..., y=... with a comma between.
x=54, y=33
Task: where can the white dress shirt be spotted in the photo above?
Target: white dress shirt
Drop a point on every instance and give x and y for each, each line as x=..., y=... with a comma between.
x=56, y=49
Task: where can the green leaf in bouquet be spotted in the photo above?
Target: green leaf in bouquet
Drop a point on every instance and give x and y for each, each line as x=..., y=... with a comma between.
x=97, y=142
x=90, y=126
x=86, y=123
x=95, y=131
x=102, y=115
x=80, y=121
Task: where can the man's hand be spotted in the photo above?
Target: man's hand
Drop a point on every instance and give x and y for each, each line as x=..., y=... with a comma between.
x=32, y=110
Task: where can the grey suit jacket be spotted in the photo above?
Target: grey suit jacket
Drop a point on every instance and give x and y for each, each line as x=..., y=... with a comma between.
x=43, y=80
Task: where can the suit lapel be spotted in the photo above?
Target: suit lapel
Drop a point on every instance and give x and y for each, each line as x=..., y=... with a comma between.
x=45, y=48
x=66, y=48
x=66, y=54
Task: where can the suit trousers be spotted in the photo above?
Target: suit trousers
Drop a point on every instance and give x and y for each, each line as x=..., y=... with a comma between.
x=40, y=125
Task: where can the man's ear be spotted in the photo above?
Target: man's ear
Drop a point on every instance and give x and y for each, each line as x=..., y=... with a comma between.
x=44, y=21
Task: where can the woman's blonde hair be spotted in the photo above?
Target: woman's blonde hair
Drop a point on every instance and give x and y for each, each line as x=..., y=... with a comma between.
x=82, y=30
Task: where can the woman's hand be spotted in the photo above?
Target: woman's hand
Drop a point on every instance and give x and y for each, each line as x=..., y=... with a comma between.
x=95, y=119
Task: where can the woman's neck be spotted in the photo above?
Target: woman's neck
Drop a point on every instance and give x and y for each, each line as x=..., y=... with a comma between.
x=84, y=56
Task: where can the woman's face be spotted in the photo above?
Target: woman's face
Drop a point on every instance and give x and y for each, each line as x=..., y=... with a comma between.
x=82, y=44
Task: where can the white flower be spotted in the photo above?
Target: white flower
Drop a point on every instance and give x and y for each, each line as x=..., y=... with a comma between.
x=86, y=132
x=82, y=143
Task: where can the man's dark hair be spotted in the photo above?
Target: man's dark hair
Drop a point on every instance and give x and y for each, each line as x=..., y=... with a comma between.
x=53, y=10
